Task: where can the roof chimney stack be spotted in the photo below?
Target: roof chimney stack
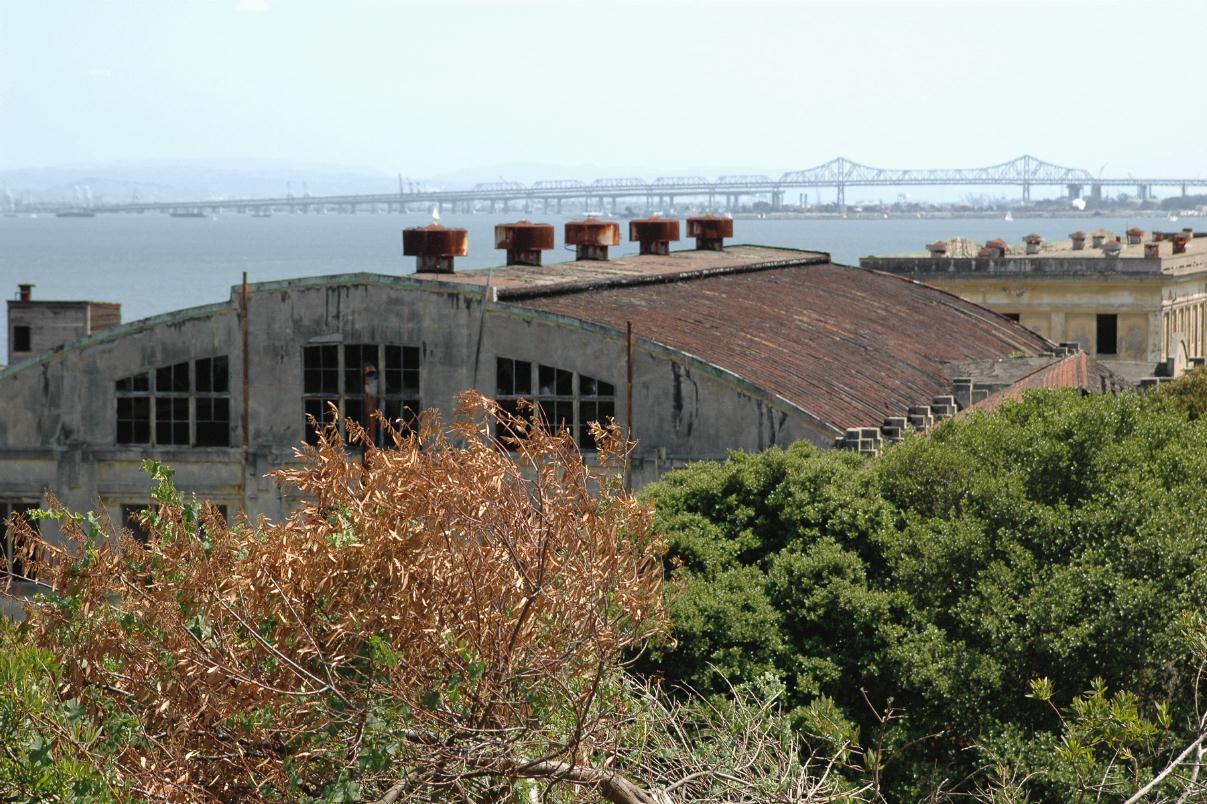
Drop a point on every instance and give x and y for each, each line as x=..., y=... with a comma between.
x=710, y=231
x=1078, y=239
x=996, y=247
x=1135, y=236
x=434, y=247
x=654, y=234
x=1097, y=239
x=25, y=293
x=592, y=237
x=524, y=241
x=1033, y=242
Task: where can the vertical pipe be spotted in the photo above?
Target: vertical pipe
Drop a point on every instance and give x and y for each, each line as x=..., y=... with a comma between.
x=628, y=407
x=246, y=394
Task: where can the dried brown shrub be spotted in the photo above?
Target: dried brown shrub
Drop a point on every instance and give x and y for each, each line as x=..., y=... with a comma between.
x=440, y=616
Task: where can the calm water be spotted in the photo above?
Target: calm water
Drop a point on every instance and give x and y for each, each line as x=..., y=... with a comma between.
x=154, y=263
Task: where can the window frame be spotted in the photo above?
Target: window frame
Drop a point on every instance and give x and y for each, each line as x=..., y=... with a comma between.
x=23, y=334
x=542, y=396
x=174, y=407
x=400, y=402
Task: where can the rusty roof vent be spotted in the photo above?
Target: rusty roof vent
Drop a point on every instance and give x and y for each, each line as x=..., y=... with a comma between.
x=1188, y=231
x=710, y=231
x=24, y=292
x=1179, y=243
x=986, y=253
x=997, y=247
x=434, y=246
x=654, y=234
x=1032, y=243
x=591, y=238
x=1078, y=239
x=1135, y=236
x=1152, y=251
x=937, y=248
x=1097, y=239
x=524, y=241
x=1111, y=248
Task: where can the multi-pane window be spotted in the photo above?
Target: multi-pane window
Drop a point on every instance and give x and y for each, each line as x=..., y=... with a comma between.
x=13, y=549
x=188, y=403
x=132, y=520
x=562, y=399
x=359, y=378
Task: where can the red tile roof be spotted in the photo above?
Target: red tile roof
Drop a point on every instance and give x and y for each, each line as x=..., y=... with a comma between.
x=848, y=345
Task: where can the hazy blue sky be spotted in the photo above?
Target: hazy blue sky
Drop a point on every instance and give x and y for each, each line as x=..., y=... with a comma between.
x=431, y=87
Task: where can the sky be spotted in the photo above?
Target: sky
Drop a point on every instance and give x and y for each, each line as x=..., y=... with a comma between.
x=433, y=87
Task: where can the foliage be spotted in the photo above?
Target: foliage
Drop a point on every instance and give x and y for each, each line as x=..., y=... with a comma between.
x=911, y=600
x=433, y=617
x=48, y=743
x=1189, y=392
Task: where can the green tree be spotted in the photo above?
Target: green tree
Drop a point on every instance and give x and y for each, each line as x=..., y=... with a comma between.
x=1059, y=538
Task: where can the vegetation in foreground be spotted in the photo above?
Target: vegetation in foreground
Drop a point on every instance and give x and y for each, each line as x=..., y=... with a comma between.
x=1008, y=610
x=1012, y=606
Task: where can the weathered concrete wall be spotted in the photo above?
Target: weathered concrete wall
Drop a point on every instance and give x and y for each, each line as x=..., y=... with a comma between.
x=51, y=324
x=58, y=428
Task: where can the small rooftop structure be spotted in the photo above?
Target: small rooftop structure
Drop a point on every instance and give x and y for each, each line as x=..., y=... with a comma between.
x=710, y=231
x=592, y=237
x=434, y=247
x=654, y=234
x=36, y=326
x=524, y=241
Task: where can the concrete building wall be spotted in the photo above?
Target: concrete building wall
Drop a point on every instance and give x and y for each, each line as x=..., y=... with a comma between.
x=59, y=429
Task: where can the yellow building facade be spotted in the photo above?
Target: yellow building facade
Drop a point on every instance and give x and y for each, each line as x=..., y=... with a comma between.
x=1139, y=303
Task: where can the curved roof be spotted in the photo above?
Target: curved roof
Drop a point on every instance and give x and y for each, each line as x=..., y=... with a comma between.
x=848, y=345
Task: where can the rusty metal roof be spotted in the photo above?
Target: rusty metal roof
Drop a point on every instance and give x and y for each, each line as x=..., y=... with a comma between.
x=848, y=345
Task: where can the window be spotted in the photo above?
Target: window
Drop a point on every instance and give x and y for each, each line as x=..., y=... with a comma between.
x=21, y=338
x=358, y=379
x=131, y=520
x=1108, y=334
x=560, y=405
x=189, y=403
x=13, y=549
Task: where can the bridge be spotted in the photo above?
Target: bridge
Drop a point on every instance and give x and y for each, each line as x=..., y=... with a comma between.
x=725, y=192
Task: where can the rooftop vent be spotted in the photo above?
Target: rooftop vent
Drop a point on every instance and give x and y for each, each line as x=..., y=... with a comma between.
x=1179, y=243
x=592, y=237
x=1078, y=239
x=434, y=247
x=997, y=247
x=1188, y=231
x=1158, y=236
x=1097, y=239
x=524, y=241
x=937, y=248
x=1111, y=248
x=654, y=234
x=987, y=253
x=710, y=231
x=1135, y=236
x=1152, y=251
x=24, y=292
x=1033, y=242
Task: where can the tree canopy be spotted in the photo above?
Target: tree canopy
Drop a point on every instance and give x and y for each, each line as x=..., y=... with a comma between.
x=910, y=602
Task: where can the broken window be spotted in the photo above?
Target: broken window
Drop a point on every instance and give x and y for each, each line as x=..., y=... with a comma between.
x=359, y=379
x=189, y=403
x=13, y=549
x=21, y=338
x=597, y=403
x=562, y=399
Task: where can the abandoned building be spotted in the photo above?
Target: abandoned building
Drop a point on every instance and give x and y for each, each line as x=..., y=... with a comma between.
x=734, y=348
x=1137, y=302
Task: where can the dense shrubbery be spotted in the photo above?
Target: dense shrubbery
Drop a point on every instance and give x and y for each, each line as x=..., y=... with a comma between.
x=1063, y=539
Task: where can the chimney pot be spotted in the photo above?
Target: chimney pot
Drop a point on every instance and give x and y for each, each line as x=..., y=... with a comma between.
x=710, y=231
x=524, y=241
x=25, y=292
x=591, y=238
x=654, y=234
x=434, y=247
